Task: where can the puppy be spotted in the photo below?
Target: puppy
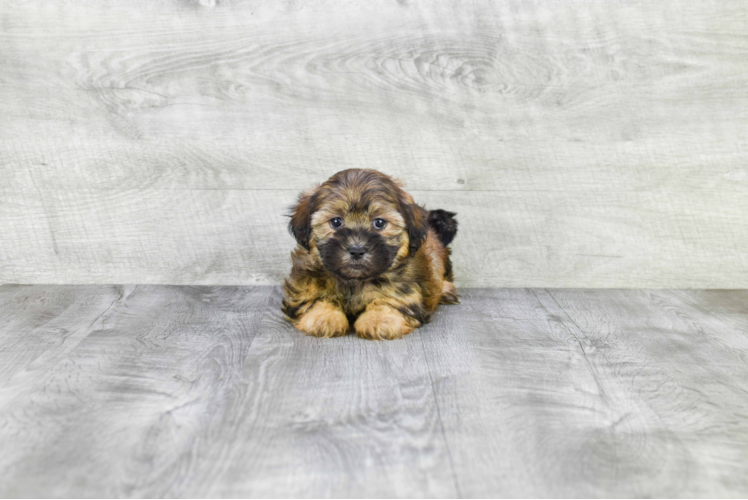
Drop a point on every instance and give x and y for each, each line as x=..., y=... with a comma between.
x=367, y=255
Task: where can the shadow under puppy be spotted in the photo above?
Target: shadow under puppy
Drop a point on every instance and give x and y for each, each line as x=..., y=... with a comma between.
x=367, y=255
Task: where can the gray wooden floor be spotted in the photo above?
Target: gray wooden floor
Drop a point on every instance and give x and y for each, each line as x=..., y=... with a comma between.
x=205, y=391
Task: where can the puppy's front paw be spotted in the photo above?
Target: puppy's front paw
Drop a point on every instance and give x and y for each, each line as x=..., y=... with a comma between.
x=382, y=323
x=323, y=320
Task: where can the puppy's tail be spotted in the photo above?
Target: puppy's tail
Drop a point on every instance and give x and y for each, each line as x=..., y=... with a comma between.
x=444, y=224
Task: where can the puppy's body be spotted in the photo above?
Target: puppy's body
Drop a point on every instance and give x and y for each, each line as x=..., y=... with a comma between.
x=385, y=280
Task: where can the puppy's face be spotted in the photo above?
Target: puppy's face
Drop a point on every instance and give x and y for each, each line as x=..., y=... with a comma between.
x=359, y=223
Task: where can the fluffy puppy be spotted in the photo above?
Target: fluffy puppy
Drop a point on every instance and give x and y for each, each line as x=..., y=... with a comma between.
x=367, y=255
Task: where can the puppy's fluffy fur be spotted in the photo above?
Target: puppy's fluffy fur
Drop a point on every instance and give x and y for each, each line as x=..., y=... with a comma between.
x=367, y=255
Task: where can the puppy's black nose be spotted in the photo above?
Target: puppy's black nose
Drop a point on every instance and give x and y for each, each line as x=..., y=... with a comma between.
x=357, y=251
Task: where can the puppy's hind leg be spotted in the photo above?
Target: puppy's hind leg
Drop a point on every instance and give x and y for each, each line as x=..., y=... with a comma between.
x=449, y=294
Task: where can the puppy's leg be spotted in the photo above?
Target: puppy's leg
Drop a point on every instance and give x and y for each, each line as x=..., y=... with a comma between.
x=383, y=322
x=323, y=319
x=449, y=294
x=304, y=307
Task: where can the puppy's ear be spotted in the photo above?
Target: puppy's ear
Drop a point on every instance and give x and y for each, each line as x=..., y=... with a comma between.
x=301, y=219
x=416, y=222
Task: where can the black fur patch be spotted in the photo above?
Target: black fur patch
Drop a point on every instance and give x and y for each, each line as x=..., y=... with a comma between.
x=293, y=311
x=417, y=311
x=448, y=270
x=444, y=224
x=378, y=258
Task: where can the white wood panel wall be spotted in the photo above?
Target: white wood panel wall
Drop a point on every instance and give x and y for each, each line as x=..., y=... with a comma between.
x=583, y=143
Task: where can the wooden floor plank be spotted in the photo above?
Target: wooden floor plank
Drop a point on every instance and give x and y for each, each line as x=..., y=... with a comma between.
x=132, y=410
x=164, y=391
x=39, y=325
x=534, y=405
x=689, y=368
x=333, y=418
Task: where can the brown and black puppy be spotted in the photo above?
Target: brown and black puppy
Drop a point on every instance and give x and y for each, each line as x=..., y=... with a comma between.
x=367, y=255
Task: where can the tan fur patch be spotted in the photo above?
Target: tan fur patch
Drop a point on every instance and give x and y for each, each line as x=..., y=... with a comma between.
x=449, y=294
x=381, y=322
x=323, y=320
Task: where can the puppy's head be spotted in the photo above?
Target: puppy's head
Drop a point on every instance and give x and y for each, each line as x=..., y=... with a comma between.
x=359, y=223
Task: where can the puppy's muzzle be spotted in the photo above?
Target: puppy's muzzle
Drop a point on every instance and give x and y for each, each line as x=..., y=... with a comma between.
x=356, y=254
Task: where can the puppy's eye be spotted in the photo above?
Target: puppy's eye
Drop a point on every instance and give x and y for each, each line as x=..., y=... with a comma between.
x=380, y=223
x=336, y=222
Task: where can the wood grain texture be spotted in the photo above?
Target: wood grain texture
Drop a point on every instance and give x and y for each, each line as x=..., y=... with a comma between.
x=587, y=144
x=590, y=394
x=662, y=344
x=346, y=418
x=134, y=407
x=40, y=326
x=174, y=395
x=206, y=392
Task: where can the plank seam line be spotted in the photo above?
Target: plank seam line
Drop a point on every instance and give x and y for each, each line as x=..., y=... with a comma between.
x=228, y=455
x=268, y=309
x=609, y=362
x=15, y=383
x=441, y=422
x=590, y=367
x=584, y=334
x=579, y=329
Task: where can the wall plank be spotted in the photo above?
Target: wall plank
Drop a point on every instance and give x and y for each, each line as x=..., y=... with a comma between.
x=588, y=144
